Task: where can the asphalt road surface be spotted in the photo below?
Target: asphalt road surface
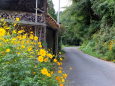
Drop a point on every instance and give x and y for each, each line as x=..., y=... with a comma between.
x=86, y=70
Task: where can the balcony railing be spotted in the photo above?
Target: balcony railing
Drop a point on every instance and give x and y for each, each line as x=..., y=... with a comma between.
x=25, y=17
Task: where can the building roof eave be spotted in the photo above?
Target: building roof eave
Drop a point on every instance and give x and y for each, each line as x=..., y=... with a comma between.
x=52, y=22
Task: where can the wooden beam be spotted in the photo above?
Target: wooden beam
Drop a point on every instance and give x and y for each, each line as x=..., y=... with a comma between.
x=25, y=22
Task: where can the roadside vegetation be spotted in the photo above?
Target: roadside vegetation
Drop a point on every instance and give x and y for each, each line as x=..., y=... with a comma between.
x=91, y=24
x=24, y=61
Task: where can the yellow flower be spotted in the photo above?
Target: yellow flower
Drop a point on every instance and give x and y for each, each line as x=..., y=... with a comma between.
x=44, y=71
x=58, y=78
x=59, y=63
x=14, y=31
x=31, y=37
x=18, y=53
x=40, y=59
x=17, y=19
x=6, y=40
x=46, y=60
x=14, y=24
x=22, y=46
x=0, y=44
x=63, y=80
x=52, y=72
x=61, y=85
x=2, y=32
x=61, y=59
x=7, y=50
x=31, y=32
x=30, y=48
x=35, y=38
x=40, y=46
x=13, y=39
x=59, y=71
x=48, y=74
x=24, y=37
x=39, y=43
x=65, y=75
x=60, y=68
x=21, y=31
x=42, y=52
x=34, y=73
x=7, y=28
x=55, y=60
x=50, y=56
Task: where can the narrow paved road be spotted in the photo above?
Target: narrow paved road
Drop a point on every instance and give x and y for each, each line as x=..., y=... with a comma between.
x=87, y=70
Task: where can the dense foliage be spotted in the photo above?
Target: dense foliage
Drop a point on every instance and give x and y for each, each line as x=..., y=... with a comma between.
x=51, y=9
x=23, y=60
x=92, y=24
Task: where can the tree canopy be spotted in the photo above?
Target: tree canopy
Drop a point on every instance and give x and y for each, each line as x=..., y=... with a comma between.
x=51, y=9
x=90, y=22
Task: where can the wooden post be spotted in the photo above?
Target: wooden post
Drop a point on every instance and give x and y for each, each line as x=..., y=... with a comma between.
x=40, y=34
x=36, y=17
x=45, y=27
x=56, y=42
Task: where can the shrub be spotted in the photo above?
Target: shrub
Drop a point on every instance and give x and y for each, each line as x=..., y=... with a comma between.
x=23, y=60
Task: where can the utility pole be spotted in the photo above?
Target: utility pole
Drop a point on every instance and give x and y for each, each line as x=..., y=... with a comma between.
x=58, y=17
x=58, y=21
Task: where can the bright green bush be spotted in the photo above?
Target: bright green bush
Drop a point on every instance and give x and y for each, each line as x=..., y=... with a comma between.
x=24, y=62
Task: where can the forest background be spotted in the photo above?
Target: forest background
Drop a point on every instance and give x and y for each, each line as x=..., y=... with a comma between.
x=91, y=25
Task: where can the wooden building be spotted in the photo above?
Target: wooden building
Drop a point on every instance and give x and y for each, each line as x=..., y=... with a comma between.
x=32, y=13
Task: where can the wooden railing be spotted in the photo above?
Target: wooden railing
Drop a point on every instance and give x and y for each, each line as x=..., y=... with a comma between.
x=25, y=17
